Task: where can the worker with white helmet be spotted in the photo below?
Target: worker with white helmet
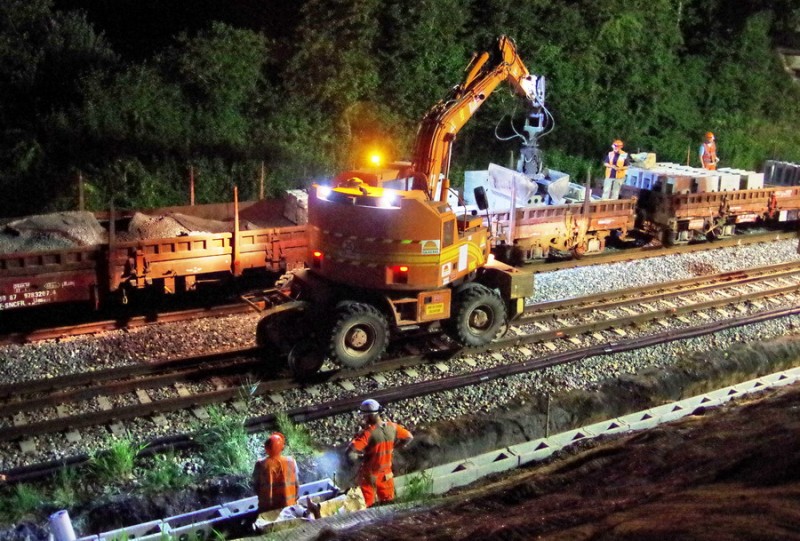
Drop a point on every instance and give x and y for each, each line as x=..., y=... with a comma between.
x=708, y=152
x=374, y=446
x=616, y=163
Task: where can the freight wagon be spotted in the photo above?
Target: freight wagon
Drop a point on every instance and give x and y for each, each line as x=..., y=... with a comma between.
x=551, y=215
x=259, y=238
x=680, y=204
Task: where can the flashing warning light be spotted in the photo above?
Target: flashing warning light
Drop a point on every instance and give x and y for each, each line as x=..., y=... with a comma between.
x=375, y=159
x=317, y=253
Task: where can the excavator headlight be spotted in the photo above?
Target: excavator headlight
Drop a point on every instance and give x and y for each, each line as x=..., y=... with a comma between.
x=323, y=192
x=388, y=199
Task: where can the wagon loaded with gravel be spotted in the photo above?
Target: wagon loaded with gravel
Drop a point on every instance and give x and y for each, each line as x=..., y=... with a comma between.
x=98, y=258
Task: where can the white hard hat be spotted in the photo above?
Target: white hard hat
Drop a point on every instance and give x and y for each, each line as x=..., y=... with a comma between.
x=370, y=406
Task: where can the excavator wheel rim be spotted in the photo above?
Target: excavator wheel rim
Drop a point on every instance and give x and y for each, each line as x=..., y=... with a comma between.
x=360, y=335
x=478, y=315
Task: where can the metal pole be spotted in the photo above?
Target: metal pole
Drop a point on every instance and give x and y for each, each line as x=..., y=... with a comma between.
x=512, y=212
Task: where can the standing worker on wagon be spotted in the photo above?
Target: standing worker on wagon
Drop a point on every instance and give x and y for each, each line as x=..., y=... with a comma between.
x=708, y=153
x=374, y=446
x=616, y=164
x=275, y=477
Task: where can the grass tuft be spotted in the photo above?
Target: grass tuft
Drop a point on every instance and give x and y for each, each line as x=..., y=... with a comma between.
x=19, y=502
x=298, y=440
x=224, y=443
x=65, y=488
x=419, y=488
x=115, y=464
x=165, y=473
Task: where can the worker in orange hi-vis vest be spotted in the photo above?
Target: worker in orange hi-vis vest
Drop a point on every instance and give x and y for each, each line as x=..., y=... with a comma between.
x=275, y=477
x=708, y=153
x=616, y=163
x=374, y=445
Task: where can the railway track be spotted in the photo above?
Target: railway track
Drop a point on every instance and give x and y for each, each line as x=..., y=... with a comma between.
x=561, y=331
x=250, y=302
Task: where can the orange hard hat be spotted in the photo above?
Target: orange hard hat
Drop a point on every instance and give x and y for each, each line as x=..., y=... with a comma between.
x=275, y=444
x=709, y=135
x=617, y=143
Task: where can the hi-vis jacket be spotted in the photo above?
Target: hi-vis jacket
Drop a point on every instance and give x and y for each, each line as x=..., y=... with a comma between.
x=377, y=444
x=275, y=482
x=708, y=155
x=616, y=164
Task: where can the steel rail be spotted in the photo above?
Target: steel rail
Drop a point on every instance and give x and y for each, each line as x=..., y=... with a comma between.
x=347, y=405
x=223, y=395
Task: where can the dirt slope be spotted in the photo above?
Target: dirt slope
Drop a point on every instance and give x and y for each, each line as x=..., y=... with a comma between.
x=732, y=473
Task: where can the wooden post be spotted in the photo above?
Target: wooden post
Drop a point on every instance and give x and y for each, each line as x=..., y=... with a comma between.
x=261, y=183
x=688, y=154
x=191, y=185
x=81, y=200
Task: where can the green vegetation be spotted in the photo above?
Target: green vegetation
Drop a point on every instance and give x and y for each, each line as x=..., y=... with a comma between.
x=419, y=488
x=22, y=500
x=115, y=464
x=298, y=440
x=225, y=99
x=165, y=473
x=66, y=488
x=223, y=443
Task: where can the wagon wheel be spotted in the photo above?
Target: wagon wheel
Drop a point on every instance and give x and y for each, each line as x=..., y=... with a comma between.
x=478, y=315
x=305, y=359
x=360, y=335
x=579, y=250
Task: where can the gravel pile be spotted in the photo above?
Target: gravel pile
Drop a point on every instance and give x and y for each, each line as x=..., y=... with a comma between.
x=55, y=231
x=121, y=348
x=174, y=224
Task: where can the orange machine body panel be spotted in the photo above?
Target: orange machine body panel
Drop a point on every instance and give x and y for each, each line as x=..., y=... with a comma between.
x=371, y=237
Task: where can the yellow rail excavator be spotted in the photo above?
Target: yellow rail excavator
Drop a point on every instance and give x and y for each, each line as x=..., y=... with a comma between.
x=385, y=260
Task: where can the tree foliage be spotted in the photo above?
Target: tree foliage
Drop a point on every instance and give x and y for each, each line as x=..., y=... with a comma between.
x=359, y=75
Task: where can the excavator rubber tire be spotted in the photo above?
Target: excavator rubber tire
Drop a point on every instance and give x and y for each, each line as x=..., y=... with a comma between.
x=478, y=315
x=281, y=331
x=360, y=335
x=305, y=359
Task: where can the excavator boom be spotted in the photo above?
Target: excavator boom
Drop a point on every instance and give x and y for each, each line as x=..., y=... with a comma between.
x=444, y=120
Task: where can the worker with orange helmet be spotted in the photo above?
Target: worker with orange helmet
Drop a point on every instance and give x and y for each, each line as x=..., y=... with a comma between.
x=708, y=153
x=616, y=163
x=275, y=477
x=374, y=446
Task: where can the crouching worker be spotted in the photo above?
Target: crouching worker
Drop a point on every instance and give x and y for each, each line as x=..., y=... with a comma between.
x=374, y=446
x=275, y=477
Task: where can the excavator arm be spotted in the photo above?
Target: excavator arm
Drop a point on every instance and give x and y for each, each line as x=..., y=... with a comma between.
x=433, y=146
